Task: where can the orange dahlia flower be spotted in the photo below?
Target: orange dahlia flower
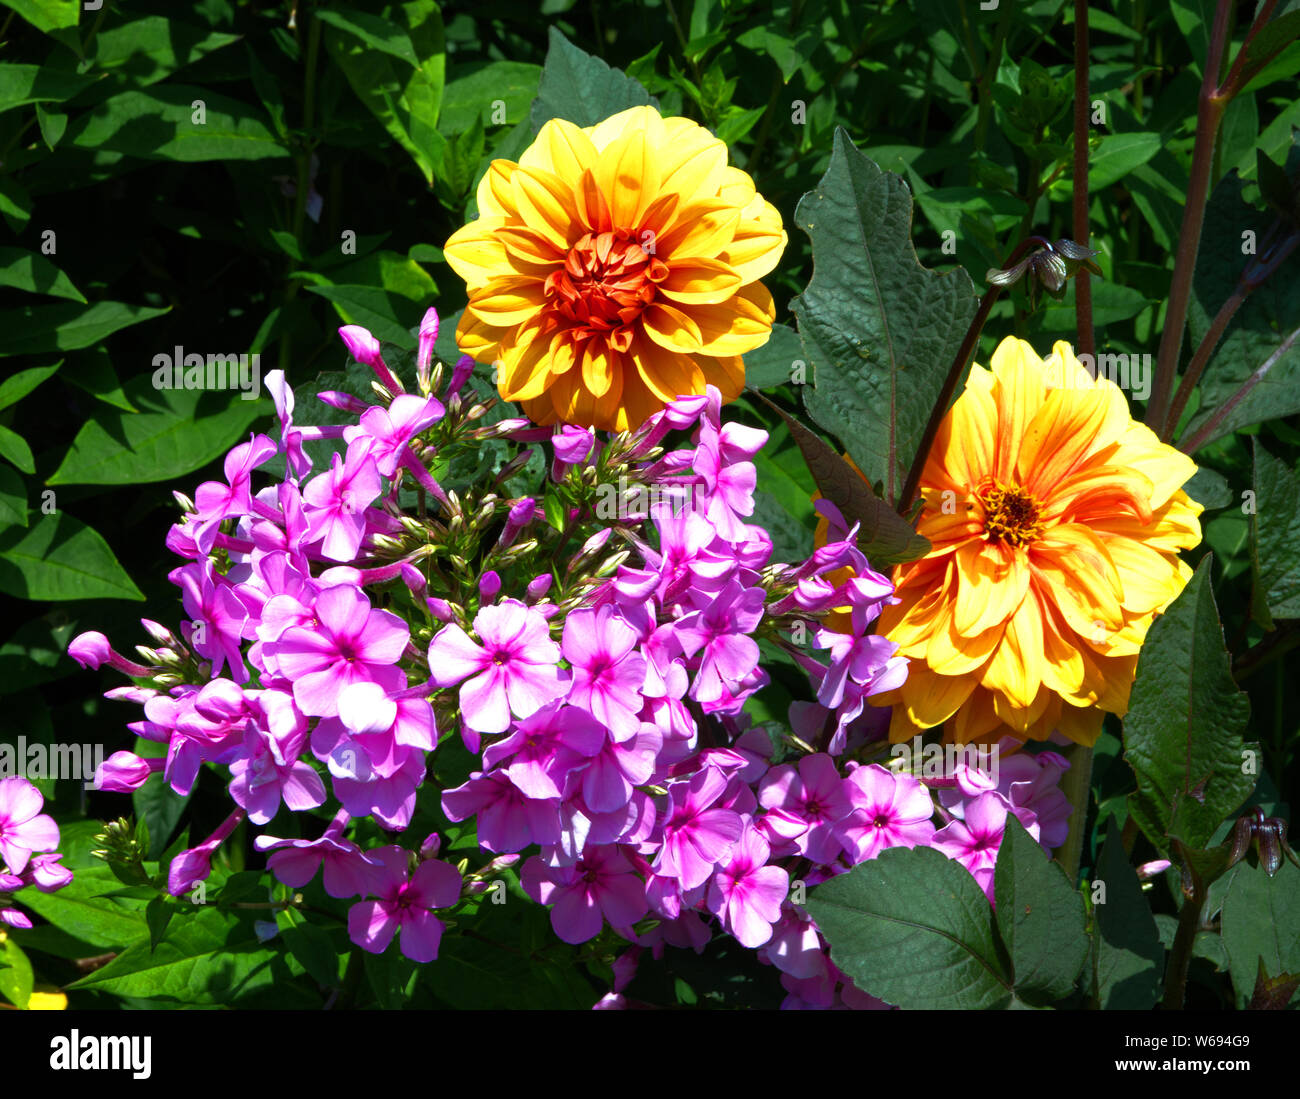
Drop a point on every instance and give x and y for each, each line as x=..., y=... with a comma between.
x=615, y=268
x=1055, y=523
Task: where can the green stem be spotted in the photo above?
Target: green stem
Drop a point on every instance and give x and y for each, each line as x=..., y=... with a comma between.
x=1180, y=956
x=1082, y=287
x=1075, y=786
x=94, y=30
x=984, y=86
x=1208, y=117
x=304, y=180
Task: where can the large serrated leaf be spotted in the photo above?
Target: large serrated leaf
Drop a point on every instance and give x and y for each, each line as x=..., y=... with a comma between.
x=1275, y=540
x=1261, y=925
x=880, y=330
x=884, y=537
x=582, y=89
x=912, y=928
x=1183, y=731
x=1040, y=917
x=1270, y=318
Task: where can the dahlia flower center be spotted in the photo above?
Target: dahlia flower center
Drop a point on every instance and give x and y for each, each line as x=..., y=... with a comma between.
x=606, y=281
x=1010, y=515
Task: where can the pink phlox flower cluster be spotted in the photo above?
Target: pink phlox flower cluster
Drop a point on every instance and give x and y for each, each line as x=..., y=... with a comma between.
x=28, y=848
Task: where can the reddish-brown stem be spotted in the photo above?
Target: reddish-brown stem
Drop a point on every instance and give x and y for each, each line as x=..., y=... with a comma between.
x=1199, y=360
x=1206, y=431
x=1232, y=83
x=908, y=495
x=1208, y=116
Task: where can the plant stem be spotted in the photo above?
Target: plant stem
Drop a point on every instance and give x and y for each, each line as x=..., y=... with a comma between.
x=1232, y=83
x=950, y=384
x=1207, y=429
x=1082, y=287
x=1075, y=786
x=1208, y=117
x=984, y=86
x=1180, y=956
x=304, y=181
x=1282, y=640
x=1202, y=356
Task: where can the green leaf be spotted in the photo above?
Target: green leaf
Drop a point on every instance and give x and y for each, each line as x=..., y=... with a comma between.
x=877, y=372
x=582, y=89
x=15, y=203
x=374, y=30
x=82, y=910
x=1275, y=540
x=527, y=971
x=47, y=15
x=16, y=978
x=1128, y=958
x=14, y=448
x=37, y=329
x=390, y=977
x=473, y=89
x=209, y=957
x=53, y=125
x=1209, y=488
x=93, y=371
x=780, y=361
x=176, y=431
x=885, y=537
x=158, y=914
x=912, y=928
x=1264, y=337
x=1275, y=36
x=23, y=84
x=60, y=558
x=406, y=100
x=1040, y=917
x=788, y=53
x=13, y=389
x=13, y=499
x=372, y=307
x=1261, y=925
x=176, y=122
x=1182, y=735
x=150, y=48
x=36, y=653
x=1118, y=154
x=311, y=945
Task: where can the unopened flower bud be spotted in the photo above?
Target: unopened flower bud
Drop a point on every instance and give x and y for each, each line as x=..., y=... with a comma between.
x=489, y=586
x=538, y=586
x=460, y=375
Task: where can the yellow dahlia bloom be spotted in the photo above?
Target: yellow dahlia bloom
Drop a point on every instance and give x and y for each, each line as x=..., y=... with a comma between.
x=1055, y=523
x=615, y=268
